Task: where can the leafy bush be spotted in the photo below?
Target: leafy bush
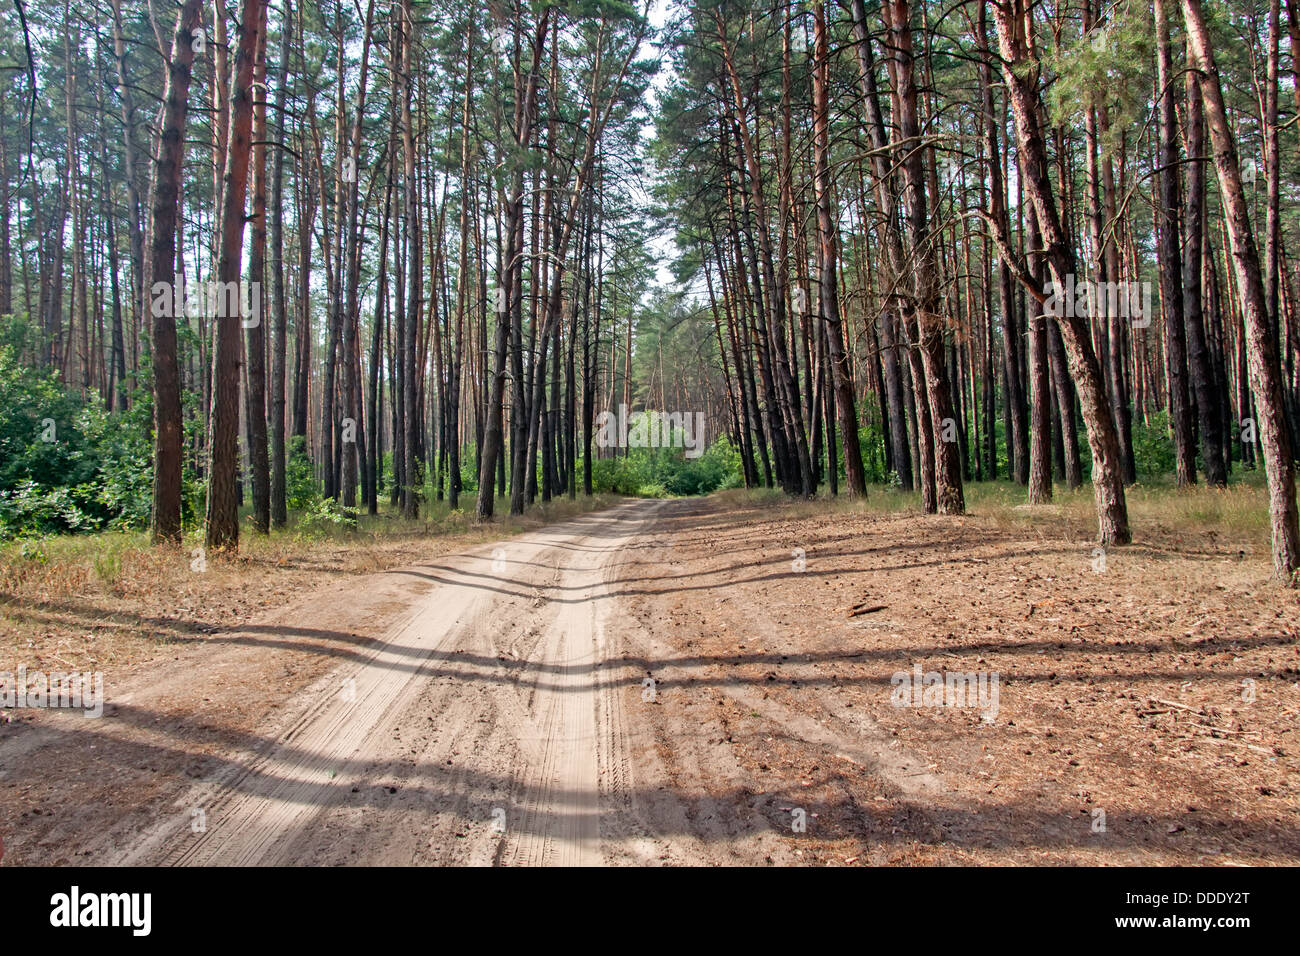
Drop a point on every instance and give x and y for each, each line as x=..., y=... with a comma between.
x=871, y=439
x=301, y=490
x=664, y=472
x=323, y=517
x=709, y=472
x=66, y=465
x=468, y=473
x=48, y=462
x=123, y=448
x=40, y=440
x=1153, y=447
x=30, y=510
x=615, y=476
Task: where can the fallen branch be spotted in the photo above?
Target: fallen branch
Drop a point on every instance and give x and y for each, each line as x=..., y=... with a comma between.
x=1170, y=703
x=1266, y=751
x=866, y=609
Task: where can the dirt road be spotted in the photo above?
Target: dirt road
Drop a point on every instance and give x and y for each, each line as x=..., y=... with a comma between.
x=660, y=683
x=485, y=727
x=468, y=710
x=491, y=726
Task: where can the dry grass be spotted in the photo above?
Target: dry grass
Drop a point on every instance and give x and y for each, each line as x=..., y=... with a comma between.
x=1232, y=519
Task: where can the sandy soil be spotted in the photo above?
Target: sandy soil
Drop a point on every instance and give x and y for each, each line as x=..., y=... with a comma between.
x=1147, y=704
x=700, y=682
x=420, y=715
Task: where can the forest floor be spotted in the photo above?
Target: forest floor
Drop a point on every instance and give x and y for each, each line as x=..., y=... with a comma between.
x=685, y=682
x=1122, y=732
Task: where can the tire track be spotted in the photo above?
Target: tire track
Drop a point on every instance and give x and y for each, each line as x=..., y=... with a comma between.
x=540, y=723
x=563, y=787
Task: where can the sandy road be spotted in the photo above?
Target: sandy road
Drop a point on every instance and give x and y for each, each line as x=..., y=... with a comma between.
x=487, y=708
x=485, y=727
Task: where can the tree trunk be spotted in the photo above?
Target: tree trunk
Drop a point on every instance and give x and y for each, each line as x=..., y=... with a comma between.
x=1265, y=371
x=493, y=436
x=1021, y=74
x=167, y=455
x=279, y=317
x=1168, y=255
x=1040, y=398
x=1204, y=383
x=223, y=447
x=415, y=285
x=828, y=255
x=255, y=393
x=949, y=497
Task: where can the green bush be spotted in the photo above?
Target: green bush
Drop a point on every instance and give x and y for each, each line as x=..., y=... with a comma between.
x=667, y=472
x=323, y=517
x=301, y=489
x=468, y=472
x=29, y=510
x=871, y=439
x=123, y=447
x=65, y=464
x=1153, y=447
x=614, y=476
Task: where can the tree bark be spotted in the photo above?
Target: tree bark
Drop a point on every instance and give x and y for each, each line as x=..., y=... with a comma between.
x=1168, y=255
x=493, y=435
x=949, y=496
x=222, y=525
x=1205, y=386
x=167, y=457
x=828, y=256
x=1040, y=389
x=255, y=393
x=1265, y=371
x=279, y=311
x=1021, y=74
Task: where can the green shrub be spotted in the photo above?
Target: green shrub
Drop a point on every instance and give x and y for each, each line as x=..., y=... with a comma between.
x=123, y=447
x=667, y=472
x=29, y=510
x=1153, y=447
x=66, y=465
x=301, y=489
x=324, y=517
